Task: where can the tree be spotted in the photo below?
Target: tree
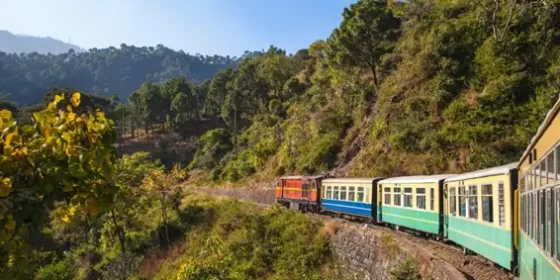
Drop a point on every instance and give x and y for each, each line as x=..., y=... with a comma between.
x=151, y=104
x=180, y=109
x=63, y=156
x=276, y=69
x=367, y=32
x=163, y=184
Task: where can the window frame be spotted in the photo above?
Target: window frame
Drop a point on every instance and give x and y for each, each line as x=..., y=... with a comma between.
x=336, y=193
x=360, y=190
x=343, y=190
x=482, y=196
x=397, y=193
x=469, y=196
x=502, y=204
x=329, y=194
x=408, y=196
x=387, y=193
x=462, y=195
x=453, y=201
x=351, y=191
x=420, y=195
x=432, y=199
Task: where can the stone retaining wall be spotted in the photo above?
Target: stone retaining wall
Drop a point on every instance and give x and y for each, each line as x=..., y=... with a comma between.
x=373, y=254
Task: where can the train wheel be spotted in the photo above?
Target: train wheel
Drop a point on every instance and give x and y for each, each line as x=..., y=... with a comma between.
x=465, y=251
x=515, y=271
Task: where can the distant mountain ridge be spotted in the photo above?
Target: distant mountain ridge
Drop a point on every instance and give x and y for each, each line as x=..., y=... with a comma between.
x=14, y=43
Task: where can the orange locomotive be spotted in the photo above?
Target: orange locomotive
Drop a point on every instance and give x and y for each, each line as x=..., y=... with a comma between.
x=299, y=192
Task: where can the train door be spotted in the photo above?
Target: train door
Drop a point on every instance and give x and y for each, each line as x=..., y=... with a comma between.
x=374, y=198
x=305, y=189
x=446, y=210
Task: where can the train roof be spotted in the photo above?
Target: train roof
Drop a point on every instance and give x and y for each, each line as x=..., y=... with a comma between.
x=350, y=180
x=547, y=120
x=417, y=179
x=498, y=170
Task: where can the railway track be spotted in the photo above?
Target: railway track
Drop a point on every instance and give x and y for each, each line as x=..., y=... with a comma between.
x=471, y=266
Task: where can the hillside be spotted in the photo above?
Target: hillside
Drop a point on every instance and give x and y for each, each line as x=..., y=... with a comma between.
x=420, y=87
x=12, y=43
x=27, y=77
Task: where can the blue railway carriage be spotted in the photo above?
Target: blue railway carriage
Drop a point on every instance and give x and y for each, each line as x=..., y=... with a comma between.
x=478, y=213
x=539, y=188
x=413, y=202
x=350, y=196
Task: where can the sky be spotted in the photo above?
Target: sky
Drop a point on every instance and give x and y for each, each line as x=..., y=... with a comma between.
x=224, y=27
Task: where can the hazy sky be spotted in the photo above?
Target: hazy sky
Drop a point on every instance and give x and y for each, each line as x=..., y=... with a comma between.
x=196, y=26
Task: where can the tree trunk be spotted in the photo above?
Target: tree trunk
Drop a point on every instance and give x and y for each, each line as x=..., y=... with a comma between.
x=374, y=72
x=164, y=216
x=119, y=230
x=235, y=130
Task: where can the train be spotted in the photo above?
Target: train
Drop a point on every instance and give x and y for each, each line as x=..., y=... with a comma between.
x=508, y=214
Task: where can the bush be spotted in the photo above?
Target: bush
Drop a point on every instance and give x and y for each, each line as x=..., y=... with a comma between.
x=406, y=270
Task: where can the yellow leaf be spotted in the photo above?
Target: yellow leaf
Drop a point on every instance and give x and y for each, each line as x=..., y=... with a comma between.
x=6, y=115
x=8, y=140
x=5, y=187
x=75, y=99
x=71, y=116
x=69, y=108
x=47, y=132
x=100, y=114
x=58, y=98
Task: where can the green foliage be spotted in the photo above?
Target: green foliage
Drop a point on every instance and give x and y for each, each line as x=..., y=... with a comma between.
x=63, y=269
x=238, y=241
x=213, y=145
x=367, y=32
x=406, y=270
x=102, y=71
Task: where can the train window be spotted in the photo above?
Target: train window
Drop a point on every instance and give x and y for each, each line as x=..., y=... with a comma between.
x=366, y=195
x=501, y=204
x=487, y=203
x=351, y=193
x=542, y=218
x=542, y=171
x=360, y=194
x=530, y=215
x=453, y=201
x=462, y=202
x=329, y=192
x=539, y=217
x=548, y=222
x=557, y=228
x=397, y=196
x=550, y=168
x=387, y=197
x=342, y=193
x=335, y=193
x=421, y=198
x=432, y=199
x=473, y=202
x=408, y=197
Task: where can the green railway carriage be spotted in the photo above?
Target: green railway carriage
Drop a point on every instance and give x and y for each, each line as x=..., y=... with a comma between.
x=478, y=213
x=413, y=202
x=539, y=200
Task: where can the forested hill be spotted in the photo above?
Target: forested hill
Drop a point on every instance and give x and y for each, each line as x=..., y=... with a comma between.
x=27, y=77
x=12, y=43
x=399, y=88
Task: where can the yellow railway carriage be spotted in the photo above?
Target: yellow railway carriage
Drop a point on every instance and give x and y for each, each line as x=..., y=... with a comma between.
x=413, y=202
x=478, y=213
x=539, y=200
